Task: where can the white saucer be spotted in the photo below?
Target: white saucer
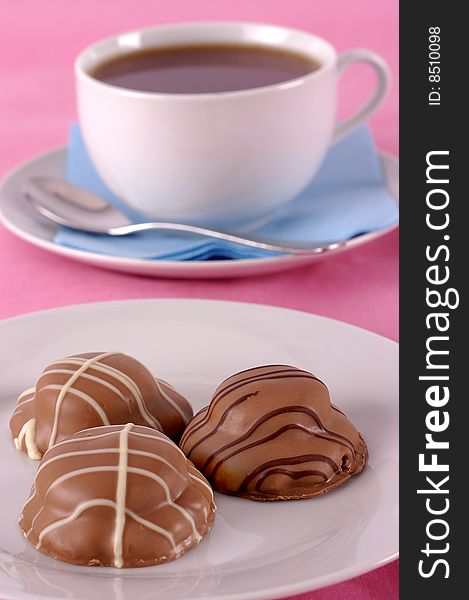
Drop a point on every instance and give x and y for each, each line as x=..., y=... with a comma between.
x=20, y=219
x=256, y=550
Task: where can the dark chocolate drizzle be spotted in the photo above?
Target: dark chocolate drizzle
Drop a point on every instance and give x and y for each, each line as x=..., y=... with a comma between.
x=221, y=421
x=219, y=458
x=289, y=372
x=280, y=462
x=291, y=409
x=291, y=474
x=278, y=369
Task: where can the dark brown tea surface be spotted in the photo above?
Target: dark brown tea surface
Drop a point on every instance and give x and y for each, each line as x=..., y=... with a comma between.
x=204, y=68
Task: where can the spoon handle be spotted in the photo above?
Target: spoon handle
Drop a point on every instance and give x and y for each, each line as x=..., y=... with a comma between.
x=262, y=243
x=72, y=206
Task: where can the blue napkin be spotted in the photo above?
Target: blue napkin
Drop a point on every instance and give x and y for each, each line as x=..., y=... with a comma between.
x=347, y=197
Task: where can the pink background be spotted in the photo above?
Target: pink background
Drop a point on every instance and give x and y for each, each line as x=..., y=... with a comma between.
x=39, y=40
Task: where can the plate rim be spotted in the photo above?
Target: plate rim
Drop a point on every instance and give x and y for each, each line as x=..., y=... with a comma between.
x=199, y=267
x=277, y=592
x=188, y=300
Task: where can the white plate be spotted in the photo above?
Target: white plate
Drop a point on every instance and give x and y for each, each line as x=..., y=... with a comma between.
x=19, y=218
x=255, y=550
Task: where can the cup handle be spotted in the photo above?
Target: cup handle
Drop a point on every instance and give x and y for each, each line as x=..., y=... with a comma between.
x=382, y=85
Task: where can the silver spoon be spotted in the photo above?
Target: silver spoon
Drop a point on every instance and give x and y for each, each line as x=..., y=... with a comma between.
x=77, y=208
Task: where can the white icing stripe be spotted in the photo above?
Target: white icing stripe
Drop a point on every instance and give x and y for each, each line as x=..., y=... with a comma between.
x=70, y=441
x=71, y=517
x=197, y=476
x=167, y=385
x=23, y=402
x=78, y=472
x=158, y=436
x=108, y=451
x=84, y=438
x=69, y=360
x=204, y=483
x=82, y=396
x=158, y=458
x=125, y=380
x=170, y=401
x=153, y=527
x=159, y=439
x=103, y=382
x=103, y=502
x=28, y=434
x=66, y=386
x=132, y=386
x=32, y=494
x=34, y=520
x=121, y=490
x=26, y=393
x=169, y=500
x=121, y=471
x=23, y=399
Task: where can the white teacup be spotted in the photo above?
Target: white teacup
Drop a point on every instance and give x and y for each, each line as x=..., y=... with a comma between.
x=227, y=157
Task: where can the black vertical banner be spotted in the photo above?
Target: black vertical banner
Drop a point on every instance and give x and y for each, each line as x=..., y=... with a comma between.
x=434, y=267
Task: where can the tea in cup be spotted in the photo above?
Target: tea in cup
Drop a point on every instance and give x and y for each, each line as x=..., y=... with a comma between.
x=214, y=123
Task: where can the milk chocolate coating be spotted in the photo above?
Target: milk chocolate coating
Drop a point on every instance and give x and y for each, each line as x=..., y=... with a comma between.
x=93, y=389
x=122, y=496
x=271, y=433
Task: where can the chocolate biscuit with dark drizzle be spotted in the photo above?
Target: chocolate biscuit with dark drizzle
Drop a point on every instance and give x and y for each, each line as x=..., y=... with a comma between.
x=271, y=433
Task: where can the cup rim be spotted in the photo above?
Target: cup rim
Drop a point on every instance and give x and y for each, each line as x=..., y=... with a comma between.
x=82, y=73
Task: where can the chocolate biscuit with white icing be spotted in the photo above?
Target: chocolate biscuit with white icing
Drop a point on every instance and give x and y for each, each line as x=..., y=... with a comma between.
x=90, y=390
x=271, y=433
x=121, y=496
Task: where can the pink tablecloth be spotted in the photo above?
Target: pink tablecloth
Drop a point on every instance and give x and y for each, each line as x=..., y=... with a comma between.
x=38, y=43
